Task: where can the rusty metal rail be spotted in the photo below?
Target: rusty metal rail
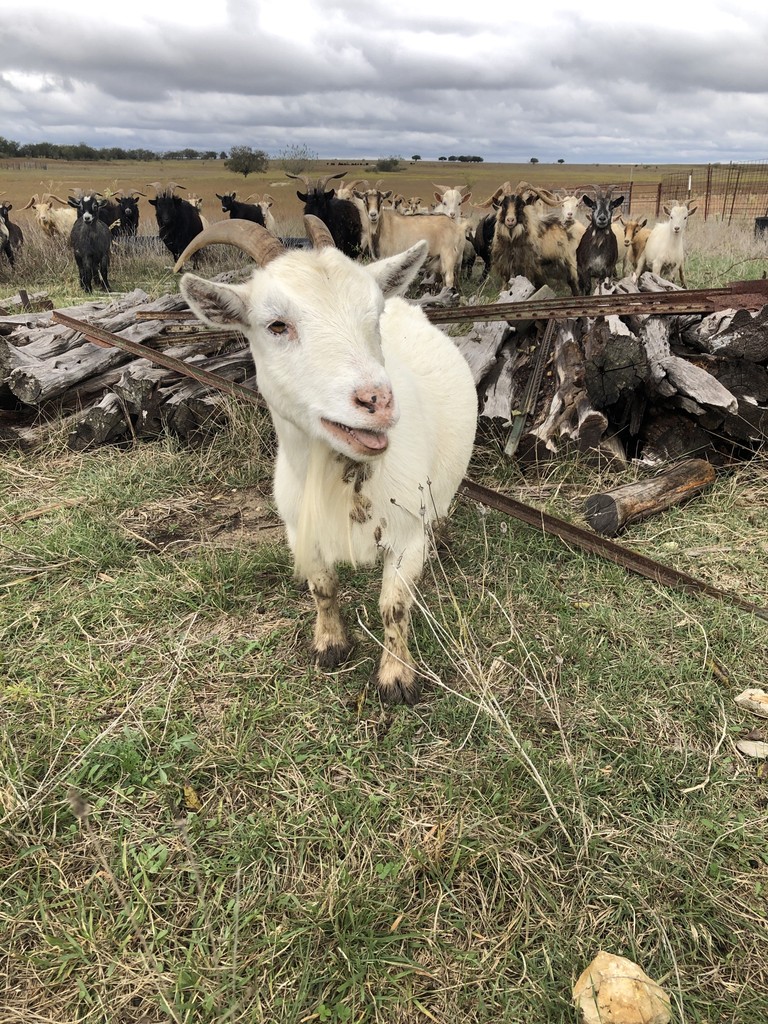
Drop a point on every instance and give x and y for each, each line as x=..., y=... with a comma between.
x=750, y=295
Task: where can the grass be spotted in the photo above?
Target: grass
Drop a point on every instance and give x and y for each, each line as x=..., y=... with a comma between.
x=199, y=826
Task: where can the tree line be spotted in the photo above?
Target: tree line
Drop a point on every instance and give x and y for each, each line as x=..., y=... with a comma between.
x=81, y=151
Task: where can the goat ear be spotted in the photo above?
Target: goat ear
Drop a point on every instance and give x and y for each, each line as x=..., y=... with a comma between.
x=220, y=305
x=395, y=274
x=617, y=202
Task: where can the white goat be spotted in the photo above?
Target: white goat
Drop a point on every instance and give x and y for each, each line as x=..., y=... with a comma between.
x=265, y=203
x=374, y=409
x=664, y=253
x=54, y=220
x=197, y=202
x=450, y=199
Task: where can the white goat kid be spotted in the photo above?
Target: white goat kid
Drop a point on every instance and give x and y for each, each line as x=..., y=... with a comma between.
x=374, y=409
x=664, y=253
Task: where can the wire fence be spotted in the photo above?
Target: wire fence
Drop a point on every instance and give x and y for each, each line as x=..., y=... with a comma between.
x=733, y=192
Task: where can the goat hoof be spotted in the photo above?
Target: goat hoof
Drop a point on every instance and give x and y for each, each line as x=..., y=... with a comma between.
x=333, y=656
x=403, y=689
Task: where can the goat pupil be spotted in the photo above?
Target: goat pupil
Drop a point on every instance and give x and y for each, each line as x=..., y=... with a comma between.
x=278, y=327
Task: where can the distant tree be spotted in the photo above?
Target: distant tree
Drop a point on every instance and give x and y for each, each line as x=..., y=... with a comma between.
x=453, y=158
x=387, y=163
x=8, y=147
x=442, y=158
x=222, y=155
x=561, y=161
x=415, y=157
x=296, y=158
x=534, y=159
x=244, y=160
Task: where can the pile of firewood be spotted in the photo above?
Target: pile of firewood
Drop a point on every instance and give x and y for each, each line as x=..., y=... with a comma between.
x=53, y=375
x=641, y=385
x=655, y=387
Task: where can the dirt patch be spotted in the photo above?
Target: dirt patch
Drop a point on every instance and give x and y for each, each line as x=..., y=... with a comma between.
x=223, y=519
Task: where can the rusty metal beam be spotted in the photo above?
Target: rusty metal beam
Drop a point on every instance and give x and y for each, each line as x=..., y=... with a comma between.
x=584, y=540
x=750, y=295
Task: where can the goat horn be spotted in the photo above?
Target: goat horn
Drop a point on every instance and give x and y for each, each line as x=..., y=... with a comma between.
x=322, y=182
x=252, y=238
x=32, y=202
x=317, y=232
x=492, y=199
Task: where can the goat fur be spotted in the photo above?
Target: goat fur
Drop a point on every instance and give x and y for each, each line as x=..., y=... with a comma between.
x=333, y=343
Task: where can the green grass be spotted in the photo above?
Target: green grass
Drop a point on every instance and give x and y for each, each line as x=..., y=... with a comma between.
x=200, y=826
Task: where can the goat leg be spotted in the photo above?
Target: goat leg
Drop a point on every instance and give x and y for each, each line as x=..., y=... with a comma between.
x=396, y=678
x=332, y=645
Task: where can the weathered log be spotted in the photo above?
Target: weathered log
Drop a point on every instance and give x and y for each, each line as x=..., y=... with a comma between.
x=571, y=414
x=481, y=346
x=666, y=435
x=105, y=421
x=616, y=361
x=611, y=511
x=735, y=333
x=40, y=381
x=191, y=406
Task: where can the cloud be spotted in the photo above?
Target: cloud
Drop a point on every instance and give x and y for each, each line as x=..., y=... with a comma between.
x=350, y=80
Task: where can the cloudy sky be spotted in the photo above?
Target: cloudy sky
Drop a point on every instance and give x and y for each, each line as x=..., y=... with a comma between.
x=633, y=83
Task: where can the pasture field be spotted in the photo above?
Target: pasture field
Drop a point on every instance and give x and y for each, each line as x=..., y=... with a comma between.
x=198, y=826
x=21, y=180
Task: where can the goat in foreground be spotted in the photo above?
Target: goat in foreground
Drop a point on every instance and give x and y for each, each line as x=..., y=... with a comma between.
x=374, y=409
x=90, y=239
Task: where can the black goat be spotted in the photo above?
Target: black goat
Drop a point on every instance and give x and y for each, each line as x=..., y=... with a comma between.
x=177, y=220
x=340, y=216
x=90, y=239
x=11, y=235
x=598, y=249
x=482, y=240
x=121, y=214
x=240, y=211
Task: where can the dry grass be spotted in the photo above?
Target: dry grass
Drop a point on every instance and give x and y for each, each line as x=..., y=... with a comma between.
x=199, y=826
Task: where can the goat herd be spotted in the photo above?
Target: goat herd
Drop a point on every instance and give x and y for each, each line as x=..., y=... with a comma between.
x=523, y=230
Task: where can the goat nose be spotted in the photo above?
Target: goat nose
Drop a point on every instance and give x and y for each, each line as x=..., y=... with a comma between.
x=374, y=400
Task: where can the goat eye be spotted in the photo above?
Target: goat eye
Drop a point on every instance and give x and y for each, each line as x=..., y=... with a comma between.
x=278, y=327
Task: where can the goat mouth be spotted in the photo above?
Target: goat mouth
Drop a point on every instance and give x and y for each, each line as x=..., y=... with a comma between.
x=363, y=442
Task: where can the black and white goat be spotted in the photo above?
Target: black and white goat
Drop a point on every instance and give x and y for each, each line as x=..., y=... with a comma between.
x=598, y=250
x=527, y=243
x=90, y=239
